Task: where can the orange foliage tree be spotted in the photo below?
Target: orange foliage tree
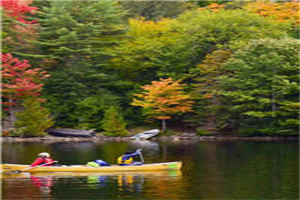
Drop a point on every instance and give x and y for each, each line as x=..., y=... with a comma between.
x=162, y=99
x=282, y=11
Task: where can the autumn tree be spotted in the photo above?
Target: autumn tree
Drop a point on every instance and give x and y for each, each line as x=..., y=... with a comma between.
x=19, y=81
x=18, y=29
x=286, y=12
x=174, y=47
x=162, y=99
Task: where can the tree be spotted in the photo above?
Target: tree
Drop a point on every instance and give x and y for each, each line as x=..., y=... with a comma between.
x=113, y=123
x=286, y=12
x=73, y=42
x=208, y=104
x=91, y=109
x=34, y=120
x=162, y=99
x=262, y=88
x=18, y=29
x=151, y=49
x=19, y=81
x=174, y=47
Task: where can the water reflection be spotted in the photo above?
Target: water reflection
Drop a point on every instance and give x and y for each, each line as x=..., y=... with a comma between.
x=211, y=170
x=45, y=184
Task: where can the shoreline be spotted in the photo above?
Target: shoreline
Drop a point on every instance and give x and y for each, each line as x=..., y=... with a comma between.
x=155, y=139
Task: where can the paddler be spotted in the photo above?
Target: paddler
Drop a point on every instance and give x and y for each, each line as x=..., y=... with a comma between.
x=127, y=158
x=43, y=159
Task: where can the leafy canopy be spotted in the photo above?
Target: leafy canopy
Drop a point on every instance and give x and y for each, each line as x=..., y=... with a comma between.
x=163, y=98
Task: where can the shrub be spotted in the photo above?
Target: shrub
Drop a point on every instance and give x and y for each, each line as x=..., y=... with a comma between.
x=33, y=121
x=113, y=123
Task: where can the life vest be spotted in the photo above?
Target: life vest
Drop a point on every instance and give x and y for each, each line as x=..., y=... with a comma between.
x=127, y=162
x=42, y=161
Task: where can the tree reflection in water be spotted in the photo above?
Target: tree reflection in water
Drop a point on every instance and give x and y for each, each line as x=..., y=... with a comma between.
x=48, y=185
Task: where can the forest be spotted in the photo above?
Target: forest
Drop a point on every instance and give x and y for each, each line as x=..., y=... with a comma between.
x=211, y=67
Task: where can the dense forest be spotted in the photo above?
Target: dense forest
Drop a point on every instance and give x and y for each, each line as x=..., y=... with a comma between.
x=212, y=67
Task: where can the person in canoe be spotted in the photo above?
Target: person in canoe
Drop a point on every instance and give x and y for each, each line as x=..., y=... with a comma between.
x=43, y=159
x=127, y=158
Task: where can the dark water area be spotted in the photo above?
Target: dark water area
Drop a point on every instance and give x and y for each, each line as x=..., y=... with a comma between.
x=211, y=170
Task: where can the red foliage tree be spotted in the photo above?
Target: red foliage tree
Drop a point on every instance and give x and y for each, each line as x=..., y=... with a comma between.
x=18, y=9
x=17, y=29
x=19, y=81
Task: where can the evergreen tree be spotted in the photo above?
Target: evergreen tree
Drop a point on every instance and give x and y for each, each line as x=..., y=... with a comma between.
x=113, y=123
x=34, y=120
x=73, y=43
x=261, y=89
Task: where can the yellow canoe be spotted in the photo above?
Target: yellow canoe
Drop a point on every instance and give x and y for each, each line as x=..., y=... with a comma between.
x=160, y=173
x=85, y=168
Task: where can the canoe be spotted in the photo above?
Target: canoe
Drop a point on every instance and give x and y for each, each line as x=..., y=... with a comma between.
x=159, y=173
x=85, y=168
x=65, y=132
x=146, y=135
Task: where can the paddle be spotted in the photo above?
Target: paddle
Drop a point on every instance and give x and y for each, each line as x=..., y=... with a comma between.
x=141, y=155
x=19, y=171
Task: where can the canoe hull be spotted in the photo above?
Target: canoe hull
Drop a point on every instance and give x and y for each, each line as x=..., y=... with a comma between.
x=84, y=168
x=162, y=173
x=146, y=135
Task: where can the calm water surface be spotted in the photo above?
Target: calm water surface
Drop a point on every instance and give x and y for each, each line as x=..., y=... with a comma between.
x=211, y=170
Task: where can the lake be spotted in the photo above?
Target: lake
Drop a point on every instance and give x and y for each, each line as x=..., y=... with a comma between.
x=211, y=170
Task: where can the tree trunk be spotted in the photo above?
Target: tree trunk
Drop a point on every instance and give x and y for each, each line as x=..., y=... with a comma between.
x=11, y=113
x=163, y=125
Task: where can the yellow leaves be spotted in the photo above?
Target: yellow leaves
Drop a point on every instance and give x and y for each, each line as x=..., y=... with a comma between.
x=287, y=11
x=214, y=7
x=213, y=61
x=163, y=98
x=140, y=27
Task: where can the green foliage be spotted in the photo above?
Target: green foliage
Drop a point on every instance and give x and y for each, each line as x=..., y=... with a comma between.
x=262, y=88
x=93, y=64
x=15, y=132
x=222, y=33
x=202, y=132
x=73, y=44
x=34, y=120
x=113, y=123
x=208, y=31
x=155, y=10
x=172, y=48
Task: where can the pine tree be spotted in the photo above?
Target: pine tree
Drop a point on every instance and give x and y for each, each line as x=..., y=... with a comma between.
x=34, y=120
x=73, y=42
x=113, y=123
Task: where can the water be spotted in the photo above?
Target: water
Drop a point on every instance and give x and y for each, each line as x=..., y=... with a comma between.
x=211, y=170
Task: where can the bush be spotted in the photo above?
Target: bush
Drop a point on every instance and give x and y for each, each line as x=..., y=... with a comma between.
x=201, y=132
x=113, y=123
x=33, y=121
